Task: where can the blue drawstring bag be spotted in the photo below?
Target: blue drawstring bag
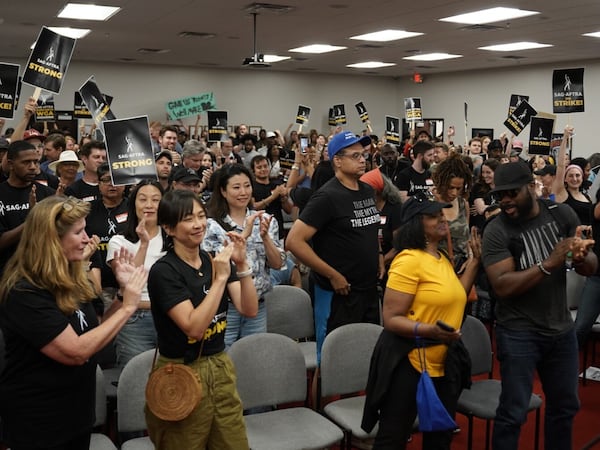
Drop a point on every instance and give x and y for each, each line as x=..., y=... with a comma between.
x=430, y=409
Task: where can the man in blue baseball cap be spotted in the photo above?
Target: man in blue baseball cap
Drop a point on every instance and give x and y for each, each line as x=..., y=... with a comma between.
x=341, y=220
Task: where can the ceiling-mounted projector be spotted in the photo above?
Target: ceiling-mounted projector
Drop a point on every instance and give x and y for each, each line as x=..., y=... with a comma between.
x=258, y=59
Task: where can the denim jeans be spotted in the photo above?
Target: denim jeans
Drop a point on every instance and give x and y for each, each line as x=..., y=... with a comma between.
x=239, y=326
x=137, y=336
x=588, y=310
x=555, y=358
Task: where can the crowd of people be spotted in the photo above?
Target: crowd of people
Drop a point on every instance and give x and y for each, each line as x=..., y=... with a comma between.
x=398, y=235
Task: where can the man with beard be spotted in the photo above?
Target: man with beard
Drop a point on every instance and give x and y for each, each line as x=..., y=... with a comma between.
x=164, y=165
x=168, y=141
x=417, y=176
x=391, y=165
x=93, y=155
x=526, y=251
x=18, y=194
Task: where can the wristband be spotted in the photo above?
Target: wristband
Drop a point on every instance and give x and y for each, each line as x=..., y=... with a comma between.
x=295, y=167
x=542, y=268
x=245, y=273
x=415, y=329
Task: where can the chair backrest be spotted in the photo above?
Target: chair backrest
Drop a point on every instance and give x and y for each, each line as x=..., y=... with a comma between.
x=270, y=370
x=131, y=393
x=476, y=339
x=289, y=312
x=346, y=357
x=100, y=398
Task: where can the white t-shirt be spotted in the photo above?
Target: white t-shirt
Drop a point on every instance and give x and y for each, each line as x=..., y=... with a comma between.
x=153, y=254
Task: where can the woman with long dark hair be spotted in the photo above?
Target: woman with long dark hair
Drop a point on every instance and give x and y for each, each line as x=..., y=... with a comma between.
x=144, y=239
x=230, y=209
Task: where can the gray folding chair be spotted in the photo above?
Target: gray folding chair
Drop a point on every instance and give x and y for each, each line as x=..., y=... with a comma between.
x=131, y=398
x=345, y=361
x=290, y=312
x=271, y=371
x=483, y=398
x=100, y=441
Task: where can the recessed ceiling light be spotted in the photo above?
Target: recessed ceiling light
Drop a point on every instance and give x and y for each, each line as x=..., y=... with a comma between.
x=432, y=57
x=595, y=34
x=317, y=48
x=489, y=15
x=87, y=12
x=76, y=33
x=370, y=65
x=275, y=58
x=386, y=35
x=514, y=46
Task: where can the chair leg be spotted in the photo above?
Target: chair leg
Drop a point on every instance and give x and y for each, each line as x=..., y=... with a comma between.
x=487, y=435
x=470, y=434
x=585, y=355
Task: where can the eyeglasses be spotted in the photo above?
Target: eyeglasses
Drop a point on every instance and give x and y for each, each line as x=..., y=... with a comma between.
x=511, y=193
x=355, y=156
x=105, y=180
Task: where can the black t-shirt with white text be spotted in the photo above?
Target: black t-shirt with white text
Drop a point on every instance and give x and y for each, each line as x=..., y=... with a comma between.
x=83, y=191
x=412, y=181
x=347, y=222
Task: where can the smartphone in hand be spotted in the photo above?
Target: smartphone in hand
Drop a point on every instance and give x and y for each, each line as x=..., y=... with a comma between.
x=444, y=326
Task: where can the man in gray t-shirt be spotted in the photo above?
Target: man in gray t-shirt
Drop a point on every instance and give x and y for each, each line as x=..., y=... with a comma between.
x=526, y=251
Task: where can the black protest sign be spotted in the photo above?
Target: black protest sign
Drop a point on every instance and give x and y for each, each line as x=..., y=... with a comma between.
x=540, y=136
x=392, y=130
x=302, y=115
x=515, y=102
x=9, y=80
x=129, y=150
x=331, y=117
x=567, y=91
x=412, y=108
x=80, y=110
x=340, y=114
x=44, y=111
x=49, y=61
x=95, y=102
x=362, y=112
x=520, y=117
x=217, y=126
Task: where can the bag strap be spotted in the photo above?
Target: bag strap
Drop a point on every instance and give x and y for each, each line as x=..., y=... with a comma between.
x=449, y=243
x=212, y=269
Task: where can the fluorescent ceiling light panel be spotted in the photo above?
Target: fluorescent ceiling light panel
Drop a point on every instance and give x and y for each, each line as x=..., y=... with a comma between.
x=87, y=12
x=489, y=15
x=317, y=48
x=386, y=35
x=432, y=57
x=514, y=46
x=76, y=33
x=595, y=34
x=275, y=58
x=370, y=65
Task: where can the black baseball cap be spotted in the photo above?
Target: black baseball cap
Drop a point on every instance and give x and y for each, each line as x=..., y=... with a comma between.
x=513, y=175
x=548, y=169
x=420, y=203
x=184, y=175
x=165, y=153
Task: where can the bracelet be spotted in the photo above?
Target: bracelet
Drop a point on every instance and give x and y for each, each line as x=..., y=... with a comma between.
x=543, y=269
x=245, y=273
x=415, y=329
x=295, y=167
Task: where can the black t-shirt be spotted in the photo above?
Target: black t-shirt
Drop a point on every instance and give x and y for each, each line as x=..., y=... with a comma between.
x=347, y=222
x=390, y=222
x=105, y=223
x=14, y=207
x=83, y=191
x=412, y=181
x=172, y=281
x=44, y=403
x=261, y=191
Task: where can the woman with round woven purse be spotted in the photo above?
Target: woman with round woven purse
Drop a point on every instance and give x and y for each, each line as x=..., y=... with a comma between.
x=190, y=293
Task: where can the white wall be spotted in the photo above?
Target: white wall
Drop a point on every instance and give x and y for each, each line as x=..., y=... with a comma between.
x=270, y=98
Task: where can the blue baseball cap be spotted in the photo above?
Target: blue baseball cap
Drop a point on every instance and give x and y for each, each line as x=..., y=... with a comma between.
x=343, y=140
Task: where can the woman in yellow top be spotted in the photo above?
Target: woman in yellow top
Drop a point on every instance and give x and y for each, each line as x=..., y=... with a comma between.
x=422, y=288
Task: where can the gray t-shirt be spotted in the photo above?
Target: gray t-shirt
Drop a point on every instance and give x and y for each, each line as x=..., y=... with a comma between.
x=544, y=307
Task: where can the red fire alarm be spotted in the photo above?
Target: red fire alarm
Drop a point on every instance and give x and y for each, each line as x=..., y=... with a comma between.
x=417, y=78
